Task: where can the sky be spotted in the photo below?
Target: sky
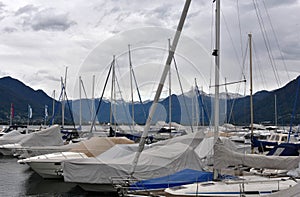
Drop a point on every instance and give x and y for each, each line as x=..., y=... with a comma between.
x=40, y=40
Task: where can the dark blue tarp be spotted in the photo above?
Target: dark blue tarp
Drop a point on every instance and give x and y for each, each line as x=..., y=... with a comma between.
x=186, y=176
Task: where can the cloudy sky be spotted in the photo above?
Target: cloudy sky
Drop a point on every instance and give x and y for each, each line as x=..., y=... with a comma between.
x=39, y=39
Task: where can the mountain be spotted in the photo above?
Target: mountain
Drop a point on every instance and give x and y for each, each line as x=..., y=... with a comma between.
x=183, y=107
x=12, y=91
x=264, y=106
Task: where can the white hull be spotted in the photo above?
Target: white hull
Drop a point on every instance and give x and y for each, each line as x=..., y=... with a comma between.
x=253, y=186
x=9, y=149
x=49, y=166
x=47, y=170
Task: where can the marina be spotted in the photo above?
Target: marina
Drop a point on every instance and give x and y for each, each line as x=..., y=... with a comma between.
x=125, y=138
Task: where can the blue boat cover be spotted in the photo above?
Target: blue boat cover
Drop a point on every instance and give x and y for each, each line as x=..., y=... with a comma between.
x=183, y=177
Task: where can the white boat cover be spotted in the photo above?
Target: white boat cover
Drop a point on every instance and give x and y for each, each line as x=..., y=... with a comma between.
x=163, y=158
x=48, y=136
x=91, y=147
x=224, y=157
x=11, y=137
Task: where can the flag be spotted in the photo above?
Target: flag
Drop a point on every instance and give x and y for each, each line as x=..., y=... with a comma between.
x=46, y=110
x=29, y=112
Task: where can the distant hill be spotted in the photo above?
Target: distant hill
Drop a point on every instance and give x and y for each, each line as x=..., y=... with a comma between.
x=264, y=106
x=183, y=107
x=12, y=91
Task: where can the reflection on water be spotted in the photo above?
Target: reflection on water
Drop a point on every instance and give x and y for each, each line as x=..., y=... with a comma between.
x=20, y=180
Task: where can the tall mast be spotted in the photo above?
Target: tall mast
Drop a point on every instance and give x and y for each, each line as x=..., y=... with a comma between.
x=197, y=105
x=170, y=93
x=251, y=89
x=131, y=86
x=64, y=86
x=80, y=104
x=216, y=53
x=112, y=92
x=275, y=108
x=93, y=102
x=161, y=84
x=53, y=107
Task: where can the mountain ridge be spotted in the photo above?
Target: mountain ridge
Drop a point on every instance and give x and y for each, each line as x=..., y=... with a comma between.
x=21, y=95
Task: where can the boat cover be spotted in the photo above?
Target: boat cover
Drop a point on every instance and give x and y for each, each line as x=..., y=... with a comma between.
x=162, y=158
x=48, y=136
x=183, y=177
x=225, y=157
x=91, y=147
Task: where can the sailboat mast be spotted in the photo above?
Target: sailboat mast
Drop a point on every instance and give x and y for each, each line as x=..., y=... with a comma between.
x=131, y=85
x=216, y=53
x=112, y=92
x=80, y=104
x=64, y=84
x=53, y=107
x=93, y=102
x=275, y=109
x=170, y=93
x=161, y=84
x=251, y=89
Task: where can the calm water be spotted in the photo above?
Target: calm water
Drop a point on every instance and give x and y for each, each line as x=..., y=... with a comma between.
x=19, y=180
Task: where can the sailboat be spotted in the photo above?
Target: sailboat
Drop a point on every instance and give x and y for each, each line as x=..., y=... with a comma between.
x=162, y=158
x=49, y=165
x=245, y=185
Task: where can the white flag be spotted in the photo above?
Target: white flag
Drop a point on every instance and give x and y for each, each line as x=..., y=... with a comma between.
x=29, y=112
x=46, y=110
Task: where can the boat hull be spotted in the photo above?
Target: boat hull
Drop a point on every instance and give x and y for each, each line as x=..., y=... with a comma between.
x=232, y=188
x=47, y=170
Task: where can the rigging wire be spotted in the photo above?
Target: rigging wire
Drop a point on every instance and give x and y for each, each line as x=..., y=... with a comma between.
x=276, y=40
x=184, y=100
x=126, y=111
x=101, y=98
x=257, y=60
x=240, y=29
x=83, y=87
x=231, y=39
x=266, y=41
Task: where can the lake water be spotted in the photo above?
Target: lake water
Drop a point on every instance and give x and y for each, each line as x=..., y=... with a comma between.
x=19, y=180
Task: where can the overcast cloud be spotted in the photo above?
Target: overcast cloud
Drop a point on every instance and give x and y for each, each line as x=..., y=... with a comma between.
x=39, y=39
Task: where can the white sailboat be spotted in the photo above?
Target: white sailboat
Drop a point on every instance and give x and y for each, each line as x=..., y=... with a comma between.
x=157, y=161
x=245, y=185
x=49, y=165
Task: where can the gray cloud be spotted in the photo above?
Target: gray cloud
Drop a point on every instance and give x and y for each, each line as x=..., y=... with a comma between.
x=9, y=29
x=275, y=3
x=2, y=5
x=44, y=19
x=26, y=9
x=49, y=20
